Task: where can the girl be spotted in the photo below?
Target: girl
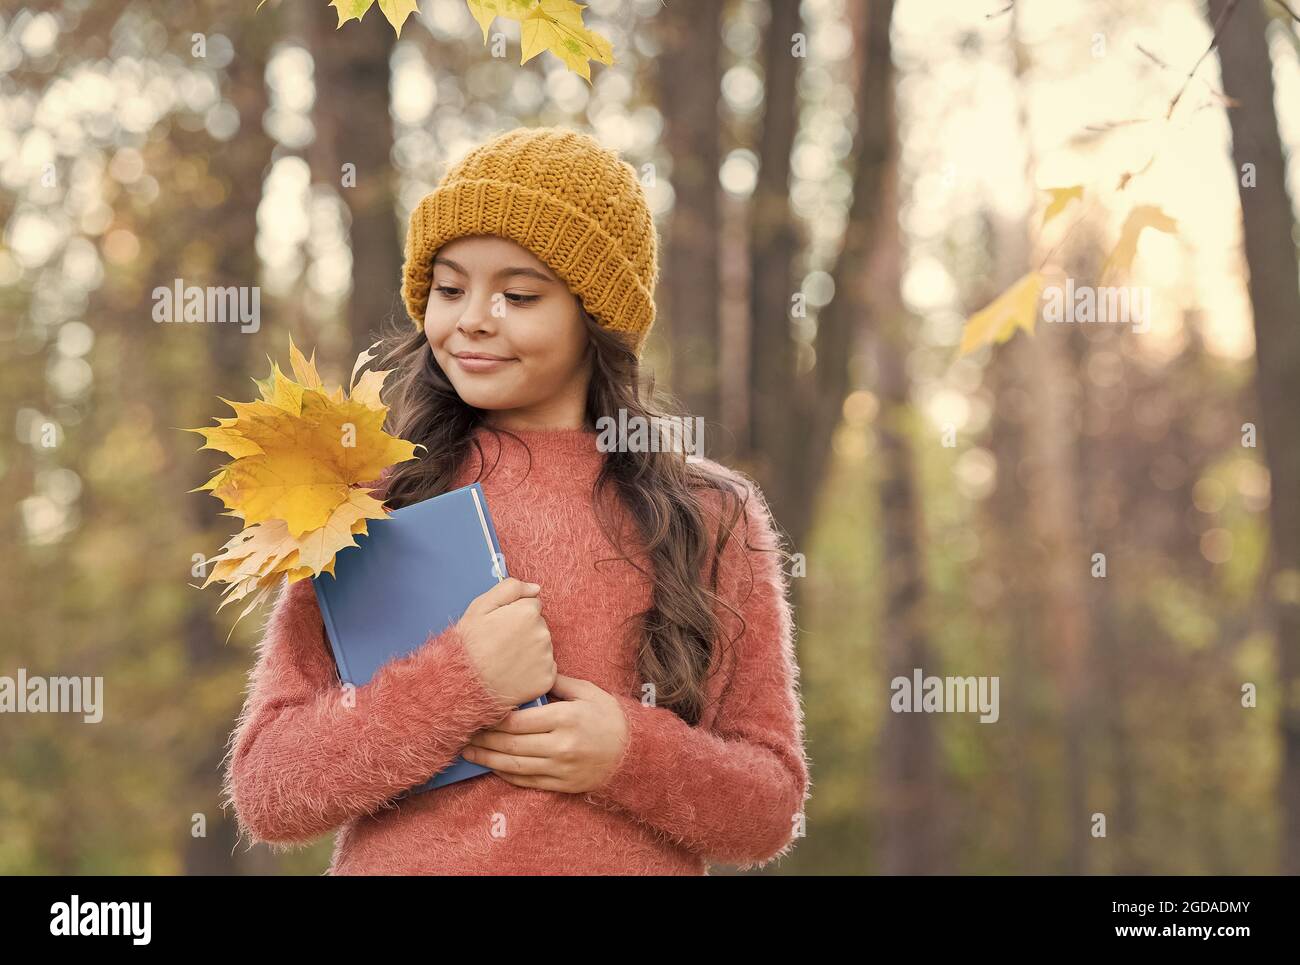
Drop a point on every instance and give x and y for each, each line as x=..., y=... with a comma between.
x=650, y=606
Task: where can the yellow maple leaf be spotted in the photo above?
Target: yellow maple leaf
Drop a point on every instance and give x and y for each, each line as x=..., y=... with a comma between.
x=258, y=598
x=1017, y=307
x=318, y=548
x=280, y=391
x=307, y=461
x=1143, y=216
x=225, y=439
x=366, y=390
x=301, y=456
x=251, y=552
x=485, y=11
x=362, y=359
x=304, y=370
x=268, y=548
x=396, y=11
x=554, y=25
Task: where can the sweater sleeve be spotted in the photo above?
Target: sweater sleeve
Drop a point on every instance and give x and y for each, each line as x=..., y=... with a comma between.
x=734, y=791
x=304, y=760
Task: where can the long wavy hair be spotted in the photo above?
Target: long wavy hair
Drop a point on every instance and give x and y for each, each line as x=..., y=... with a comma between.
x=662, y=491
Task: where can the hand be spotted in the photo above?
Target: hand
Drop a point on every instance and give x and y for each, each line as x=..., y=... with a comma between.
x=509, y=642
x=571, y=745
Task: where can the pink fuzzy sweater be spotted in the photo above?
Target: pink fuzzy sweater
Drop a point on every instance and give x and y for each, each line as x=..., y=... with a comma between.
x=303, y=763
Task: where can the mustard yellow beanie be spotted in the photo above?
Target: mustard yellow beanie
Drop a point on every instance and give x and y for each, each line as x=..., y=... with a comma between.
x=559, y=193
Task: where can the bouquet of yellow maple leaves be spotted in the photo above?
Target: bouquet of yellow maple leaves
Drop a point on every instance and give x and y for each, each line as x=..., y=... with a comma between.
x=301, y=455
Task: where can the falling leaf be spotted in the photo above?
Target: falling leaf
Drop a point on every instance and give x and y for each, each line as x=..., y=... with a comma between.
x=1061, y=198
x=1017, y=307
x=1120, y=261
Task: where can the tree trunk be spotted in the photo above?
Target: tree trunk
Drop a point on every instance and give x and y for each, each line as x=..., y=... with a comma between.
x=1268, y=228
x=1009, y=547
x=233, y=229
x=789, y=442
x=689, y=76
x=1051, y=435
x=354, y=126
x=774, y=244
x=820, y=394
x=912, y=831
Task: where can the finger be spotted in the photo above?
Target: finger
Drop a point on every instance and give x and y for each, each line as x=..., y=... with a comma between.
x=520, y=745
x=572, y=688
x=540, y=782
x=534, y=720
x=509, y=763
x=525, y=604
x=503, y=594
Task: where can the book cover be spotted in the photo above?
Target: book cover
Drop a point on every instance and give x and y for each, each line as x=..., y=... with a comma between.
x=413, y=576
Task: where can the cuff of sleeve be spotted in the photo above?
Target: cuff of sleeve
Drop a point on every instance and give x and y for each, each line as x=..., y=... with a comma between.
x=446, y=680
x=645, y=773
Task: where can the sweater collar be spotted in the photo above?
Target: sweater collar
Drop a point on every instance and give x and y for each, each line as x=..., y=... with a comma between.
x=572, y=443
x=561, y=456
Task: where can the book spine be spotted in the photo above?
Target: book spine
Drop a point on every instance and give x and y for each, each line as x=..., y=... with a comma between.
x=494, y=547
x=340, y=661
x=496, y=558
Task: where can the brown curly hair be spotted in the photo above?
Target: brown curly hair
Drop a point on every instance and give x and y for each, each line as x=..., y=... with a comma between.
x=671, y=500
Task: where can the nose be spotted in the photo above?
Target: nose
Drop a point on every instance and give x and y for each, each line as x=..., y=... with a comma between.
x=477, y=317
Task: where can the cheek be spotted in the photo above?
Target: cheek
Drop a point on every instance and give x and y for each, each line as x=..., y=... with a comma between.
x=438, y=321
x=440, y=332
x=533, y=340
x=555, y=338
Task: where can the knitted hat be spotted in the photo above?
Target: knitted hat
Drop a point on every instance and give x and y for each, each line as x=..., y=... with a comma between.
x=574, y=204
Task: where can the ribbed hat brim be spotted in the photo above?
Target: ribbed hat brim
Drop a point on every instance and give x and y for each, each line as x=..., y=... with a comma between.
x=571, y=243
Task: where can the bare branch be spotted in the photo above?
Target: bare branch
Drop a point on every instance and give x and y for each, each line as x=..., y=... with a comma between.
x=1224, y=16
x=1153, y=58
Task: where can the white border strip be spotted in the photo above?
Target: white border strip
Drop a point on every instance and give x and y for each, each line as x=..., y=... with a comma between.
x=487, y=536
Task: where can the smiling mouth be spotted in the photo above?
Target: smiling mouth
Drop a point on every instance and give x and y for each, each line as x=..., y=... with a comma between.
x=471, y=363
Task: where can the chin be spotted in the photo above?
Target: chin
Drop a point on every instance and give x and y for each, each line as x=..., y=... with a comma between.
x=480, y=398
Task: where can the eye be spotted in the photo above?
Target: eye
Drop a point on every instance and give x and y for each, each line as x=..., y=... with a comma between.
x=517, y=299
x=446, y=291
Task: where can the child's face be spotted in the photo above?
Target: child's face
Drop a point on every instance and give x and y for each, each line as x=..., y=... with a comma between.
x=491, y=296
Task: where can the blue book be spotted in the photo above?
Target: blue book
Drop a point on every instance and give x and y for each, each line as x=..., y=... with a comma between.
x=413, y=576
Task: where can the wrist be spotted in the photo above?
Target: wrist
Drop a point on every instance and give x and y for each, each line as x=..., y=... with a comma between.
x=462, y=653
x=619, y=774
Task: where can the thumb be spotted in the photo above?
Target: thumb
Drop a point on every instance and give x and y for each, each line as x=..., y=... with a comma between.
x=572, y=688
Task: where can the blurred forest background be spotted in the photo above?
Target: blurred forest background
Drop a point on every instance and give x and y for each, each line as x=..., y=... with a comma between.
x=832, y=211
